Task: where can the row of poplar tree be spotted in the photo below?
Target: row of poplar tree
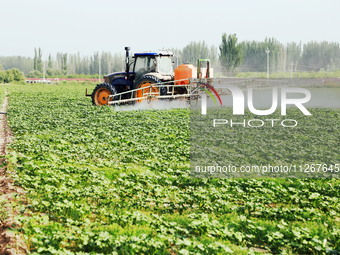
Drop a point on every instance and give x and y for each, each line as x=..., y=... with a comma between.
x=65, y=64
x=294, y=56
x=231, y=55
x=251, y=56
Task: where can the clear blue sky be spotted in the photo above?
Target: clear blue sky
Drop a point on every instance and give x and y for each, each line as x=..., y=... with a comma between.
x=88, y=26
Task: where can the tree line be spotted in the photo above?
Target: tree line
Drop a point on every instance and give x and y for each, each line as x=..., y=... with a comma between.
x=24, y=64
x=67, y=64
x=230, y=56
x=311, y=56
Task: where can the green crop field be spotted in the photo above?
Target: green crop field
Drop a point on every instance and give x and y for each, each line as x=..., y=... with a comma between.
x=99, y=181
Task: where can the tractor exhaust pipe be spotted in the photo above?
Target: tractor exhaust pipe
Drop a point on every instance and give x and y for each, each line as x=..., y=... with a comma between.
x=127, y=62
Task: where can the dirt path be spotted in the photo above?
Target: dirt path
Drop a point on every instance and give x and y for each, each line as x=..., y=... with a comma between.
x=9, y=242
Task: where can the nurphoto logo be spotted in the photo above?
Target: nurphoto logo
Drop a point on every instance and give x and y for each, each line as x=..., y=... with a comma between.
x=238, y=100
x=239, y=105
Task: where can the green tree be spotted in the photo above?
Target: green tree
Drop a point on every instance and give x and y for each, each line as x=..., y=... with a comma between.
x=50, y=72
x=39, y=61
x=35, y=58
x=49, y=61
x=194, y=51
x=59, y=61
x=17, y=75
x=24, y=64
x=292, y=55
x=213, y=55
x=34, y=74
x=321, y=55
x=178, y=56
x=2, y=76
x=104, y=63
x=231, y=55
x=9, y=77
x=65, y=63
x=255, y=56
x=118, y=62
x=94, y=66
x=85, y=65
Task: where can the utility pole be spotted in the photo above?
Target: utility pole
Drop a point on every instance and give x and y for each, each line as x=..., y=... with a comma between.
x=285, y=57
x=177, y=56
x=291, y=70
x=267, y=51
x=99, y=68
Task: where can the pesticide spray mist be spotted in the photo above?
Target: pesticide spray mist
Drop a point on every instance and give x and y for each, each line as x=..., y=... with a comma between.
x=155, y=104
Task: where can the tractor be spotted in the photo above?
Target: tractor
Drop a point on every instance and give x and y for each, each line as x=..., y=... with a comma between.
x=148, y=68
x=152, y=74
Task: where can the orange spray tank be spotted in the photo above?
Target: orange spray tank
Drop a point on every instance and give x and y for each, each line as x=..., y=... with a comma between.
x=185, y=71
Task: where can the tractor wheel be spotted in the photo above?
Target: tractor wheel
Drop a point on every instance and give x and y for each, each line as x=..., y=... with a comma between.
x=101, y=92
x=147, y=81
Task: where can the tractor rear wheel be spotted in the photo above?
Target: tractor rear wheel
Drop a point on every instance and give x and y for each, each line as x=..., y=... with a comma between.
x=146, y=82
x=101, y=93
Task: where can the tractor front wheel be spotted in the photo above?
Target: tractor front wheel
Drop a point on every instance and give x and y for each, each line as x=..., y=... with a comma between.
x=101, y=93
